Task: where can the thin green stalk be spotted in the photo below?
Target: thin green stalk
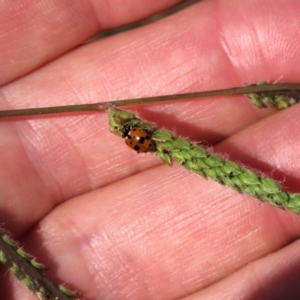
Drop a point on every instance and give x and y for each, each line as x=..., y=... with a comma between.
x=205, y=164
x=263, y=95
x=25, y=267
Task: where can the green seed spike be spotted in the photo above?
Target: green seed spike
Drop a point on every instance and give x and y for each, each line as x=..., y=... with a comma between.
x=43, y=295
x=23, y=254
x=9, y=241
x=280, y=100
x=25, y=267
x=30, y=283
x=38, y=265
x=4, y=258
x=17, y=271
x=66, y=291
x=200, y=161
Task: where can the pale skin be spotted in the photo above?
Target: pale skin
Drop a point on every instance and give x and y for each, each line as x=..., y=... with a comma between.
x=114, y=224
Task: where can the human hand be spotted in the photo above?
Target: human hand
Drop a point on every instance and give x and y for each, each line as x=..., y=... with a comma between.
x=116, y=225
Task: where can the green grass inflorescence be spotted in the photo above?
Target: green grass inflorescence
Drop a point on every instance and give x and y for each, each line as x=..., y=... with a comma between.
x=25, y=267
x=199, y=160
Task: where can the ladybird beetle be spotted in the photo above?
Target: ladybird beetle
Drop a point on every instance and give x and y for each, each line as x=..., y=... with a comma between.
x=138, y=139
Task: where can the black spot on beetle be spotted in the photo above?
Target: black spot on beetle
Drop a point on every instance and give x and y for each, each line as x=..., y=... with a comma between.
x=137, y=148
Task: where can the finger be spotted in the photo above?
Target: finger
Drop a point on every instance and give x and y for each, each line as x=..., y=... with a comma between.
x=63, y=157
x=33, y=33
x=271, y=277
x=274, y=152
